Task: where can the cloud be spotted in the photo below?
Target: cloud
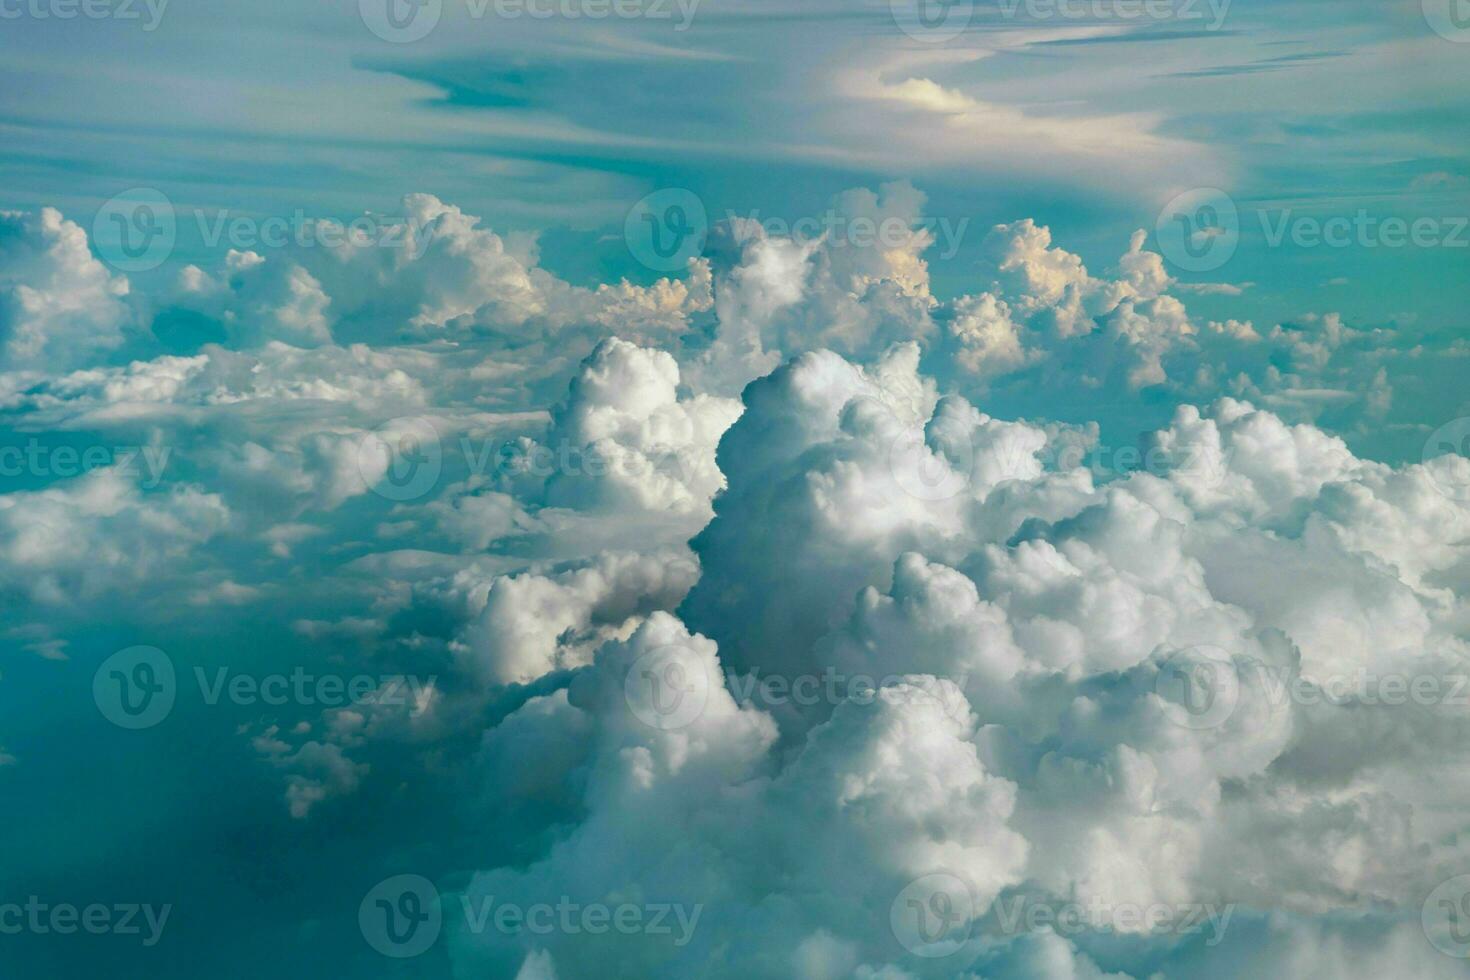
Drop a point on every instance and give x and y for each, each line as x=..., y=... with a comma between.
x=773, y=613
x=59, y=306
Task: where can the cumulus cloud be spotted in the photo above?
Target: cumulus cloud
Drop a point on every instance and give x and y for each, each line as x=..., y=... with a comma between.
x=59, y=306
x=748, y=597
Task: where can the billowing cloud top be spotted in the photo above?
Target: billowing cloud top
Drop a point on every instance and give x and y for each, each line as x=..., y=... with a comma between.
x=780, y=618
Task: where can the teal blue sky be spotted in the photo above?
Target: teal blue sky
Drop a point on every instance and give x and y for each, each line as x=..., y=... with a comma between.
x=1089, y=125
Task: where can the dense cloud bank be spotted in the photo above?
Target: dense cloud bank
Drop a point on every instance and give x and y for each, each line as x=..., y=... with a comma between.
x=734, y=600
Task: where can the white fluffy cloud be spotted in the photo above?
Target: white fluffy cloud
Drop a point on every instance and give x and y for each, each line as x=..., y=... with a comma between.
x=797, y=663
x=59, y=306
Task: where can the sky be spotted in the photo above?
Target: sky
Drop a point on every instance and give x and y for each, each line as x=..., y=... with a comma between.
x=735, y=488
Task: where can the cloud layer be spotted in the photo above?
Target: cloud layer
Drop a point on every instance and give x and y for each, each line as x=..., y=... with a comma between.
x=783, y=594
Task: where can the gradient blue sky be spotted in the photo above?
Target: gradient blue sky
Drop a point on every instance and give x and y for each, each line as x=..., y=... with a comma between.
x=556, y=126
